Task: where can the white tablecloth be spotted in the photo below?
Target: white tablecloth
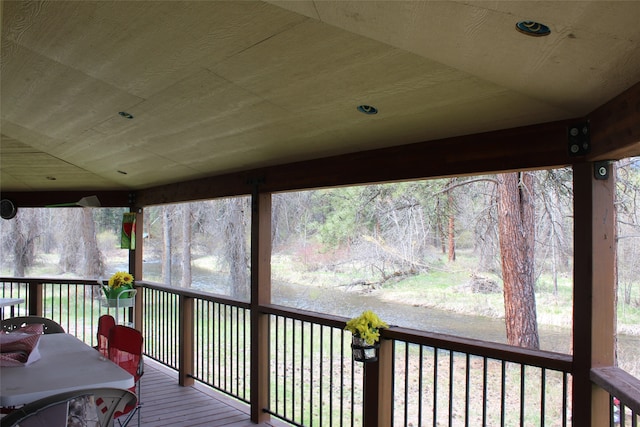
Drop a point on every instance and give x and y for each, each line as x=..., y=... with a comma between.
x=65, y=364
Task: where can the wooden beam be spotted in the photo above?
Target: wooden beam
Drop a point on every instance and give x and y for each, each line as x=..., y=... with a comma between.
x=538, y=146
x=200, y=189
x=615, y=127
x=40, y=199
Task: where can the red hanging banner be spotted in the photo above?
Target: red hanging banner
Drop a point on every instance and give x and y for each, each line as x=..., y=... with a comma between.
x=128, y=237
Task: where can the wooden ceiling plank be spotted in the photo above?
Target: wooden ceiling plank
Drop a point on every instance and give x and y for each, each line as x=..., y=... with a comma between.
x=222, y=87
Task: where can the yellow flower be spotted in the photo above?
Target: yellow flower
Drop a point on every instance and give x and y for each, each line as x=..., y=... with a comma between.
x=366, y=326
x=119, y=279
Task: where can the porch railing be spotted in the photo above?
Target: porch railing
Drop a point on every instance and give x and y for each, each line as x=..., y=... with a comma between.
x=74, y=304
x=314, y=380
x=624, y=395
x=220, y=331
x=446, y=380
x=436, y=379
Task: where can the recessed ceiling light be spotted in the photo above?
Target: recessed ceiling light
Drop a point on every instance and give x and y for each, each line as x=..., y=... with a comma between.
x=532, y=28
x=367, y=109
x=125, y=115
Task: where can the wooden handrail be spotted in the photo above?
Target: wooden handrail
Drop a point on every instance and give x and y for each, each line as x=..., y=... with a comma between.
x=304, y=315
x=35, y=280
x=620, y=384
x=192, y=293
x=539, y=358
x=141, y=283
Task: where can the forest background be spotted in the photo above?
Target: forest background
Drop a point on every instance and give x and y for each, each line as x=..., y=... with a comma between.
x=432, y=244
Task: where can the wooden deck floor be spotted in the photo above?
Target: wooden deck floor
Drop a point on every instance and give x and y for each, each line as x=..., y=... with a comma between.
x=165, y=403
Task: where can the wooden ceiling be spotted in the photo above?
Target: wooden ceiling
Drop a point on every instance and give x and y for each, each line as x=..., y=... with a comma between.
x=217, y=87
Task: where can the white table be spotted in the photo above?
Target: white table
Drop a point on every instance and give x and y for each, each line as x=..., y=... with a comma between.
x=66, y=364
x=9, y=302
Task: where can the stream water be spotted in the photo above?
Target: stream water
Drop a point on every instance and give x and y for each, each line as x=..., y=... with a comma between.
x=349, y=304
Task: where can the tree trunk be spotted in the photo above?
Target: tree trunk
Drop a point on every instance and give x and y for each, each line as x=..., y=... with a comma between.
x=451, y=230
x=93, y=262
x=441, y=232
x=20, y=245
x=185, y=261
x=236, y=248
x=452, y=242
x=166, y=244
x=516, y=228
x=71, y=243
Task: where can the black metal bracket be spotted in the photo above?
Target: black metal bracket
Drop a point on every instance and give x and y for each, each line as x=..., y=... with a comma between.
x=579, y=139
x=602, y=169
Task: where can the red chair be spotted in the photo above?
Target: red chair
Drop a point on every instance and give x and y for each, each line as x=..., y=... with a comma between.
x=105, y=323
x=125, y=349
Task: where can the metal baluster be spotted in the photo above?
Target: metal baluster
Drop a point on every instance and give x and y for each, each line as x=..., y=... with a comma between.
x=522, y=394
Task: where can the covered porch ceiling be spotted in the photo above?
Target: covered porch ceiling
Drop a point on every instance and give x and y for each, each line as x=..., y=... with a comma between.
x=219, y=87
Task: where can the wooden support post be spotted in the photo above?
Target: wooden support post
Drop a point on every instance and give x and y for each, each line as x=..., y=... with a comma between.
x=186, y=359
x=135, y=267
x=370, y=416
x=385, y=383
x=594, y=291
x=603, y=330
x=35, y=299
x=378, y=381
x=260, y=294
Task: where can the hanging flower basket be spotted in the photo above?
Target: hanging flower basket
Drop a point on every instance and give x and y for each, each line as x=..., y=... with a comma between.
x=363, y=352
x=366, y=334
x=119, y=292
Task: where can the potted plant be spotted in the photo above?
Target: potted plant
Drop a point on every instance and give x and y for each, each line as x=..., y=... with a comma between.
x=119, y=290
x=366, y=334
